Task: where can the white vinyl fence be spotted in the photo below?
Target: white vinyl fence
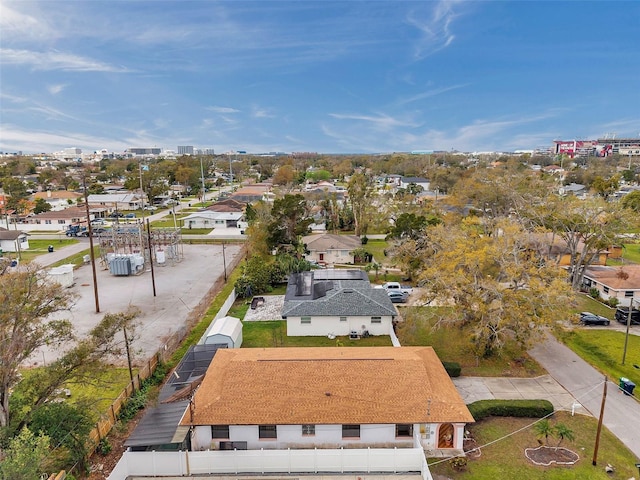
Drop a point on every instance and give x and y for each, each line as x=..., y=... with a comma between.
x=370, y=460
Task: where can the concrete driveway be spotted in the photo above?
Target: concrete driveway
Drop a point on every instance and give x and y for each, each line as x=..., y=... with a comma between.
x=472, y=389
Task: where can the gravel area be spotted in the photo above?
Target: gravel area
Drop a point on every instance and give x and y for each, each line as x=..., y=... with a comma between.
x=269, y=310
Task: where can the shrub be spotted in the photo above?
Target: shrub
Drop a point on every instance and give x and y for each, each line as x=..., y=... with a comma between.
x=458, y=463
x=104, y=447
x=594, y=293
x=510, y=408
x=613, y=302
x=453, y=368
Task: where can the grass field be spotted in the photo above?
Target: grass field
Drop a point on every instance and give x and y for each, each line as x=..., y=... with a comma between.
x=453, y=345
x=603, y=349
x=40, y=247
x=631, y=252
x=505, y=459
x=274, y=334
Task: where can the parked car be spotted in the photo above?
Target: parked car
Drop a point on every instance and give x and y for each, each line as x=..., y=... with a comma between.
x=397, y=297
x=151, y=208
x=622, y=315
x=98, y=221
x=130, y=215
x=588, y=318
x=116, y=215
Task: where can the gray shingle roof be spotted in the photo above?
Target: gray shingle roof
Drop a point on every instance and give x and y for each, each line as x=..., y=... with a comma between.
x=343, y=297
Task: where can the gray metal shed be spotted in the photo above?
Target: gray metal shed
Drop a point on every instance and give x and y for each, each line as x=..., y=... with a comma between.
x=225, y=330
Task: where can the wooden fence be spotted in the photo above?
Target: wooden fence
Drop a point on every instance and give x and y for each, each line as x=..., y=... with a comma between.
x=109, y=418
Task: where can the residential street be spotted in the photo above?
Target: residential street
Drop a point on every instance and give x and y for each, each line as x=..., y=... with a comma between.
x=585, y=383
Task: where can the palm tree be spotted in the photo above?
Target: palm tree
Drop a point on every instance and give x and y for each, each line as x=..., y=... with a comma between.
x=561, y=431
x=543, y=429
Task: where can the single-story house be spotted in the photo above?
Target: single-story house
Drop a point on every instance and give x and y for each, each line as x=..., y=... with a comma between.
x=621, y=282
x=329, y=249
x=13, y=240
x=209, y=219
x=252, y=193
x=58, y=199
x=327, y=398
x=421, y=182
x=57, y=220
x=330, y=302
x=117, y=201
x=555, y=248
x=224, y=331
x=226, y=205
x=576, y=189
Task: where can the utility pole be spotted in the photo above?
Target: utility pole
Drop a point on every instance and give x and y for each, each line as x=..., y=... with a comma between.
x=91, y=252
x=626, y=337
x=126, y=345
x=153, y=277
x=595, y=449
x=224, y=262
x=204, y=194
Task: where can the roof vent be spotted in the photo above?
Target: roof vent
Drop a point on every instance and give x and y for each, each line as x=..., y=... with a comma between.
x=348, y=290
x=328, y=394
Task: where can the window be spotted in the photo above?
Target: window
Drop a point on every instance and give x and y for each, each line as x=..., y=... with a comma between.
x=305, y=320
x=376, y=319
x=219, y=431
x=404, y=430
x=350, y=431
x=628, y=293
x=267, y=431
x=343, y=319
x=308, y=430
x=605, y=289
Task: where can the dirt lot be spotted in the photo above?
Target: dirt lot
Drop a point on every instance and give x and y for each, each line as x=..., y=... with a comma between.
x=179, y=288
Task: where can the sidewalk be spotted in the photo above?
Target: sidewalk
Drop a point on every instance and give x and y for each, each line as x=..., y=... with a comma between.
x=48, y=259
x=622, y=412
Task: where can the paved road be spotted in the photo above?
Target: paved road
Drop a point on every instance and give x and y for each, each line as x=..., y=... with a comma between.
x=585, y=383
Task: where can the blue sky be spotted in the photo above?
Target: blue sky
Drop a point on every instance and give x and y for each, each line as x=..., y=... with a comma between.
x=328, y=77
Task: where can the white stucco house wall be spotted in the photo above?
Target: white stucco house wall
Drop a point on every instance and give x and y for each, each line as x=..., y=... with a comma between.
x=622, y=283
x=420, y=181
x=330, y=302
x=13, y=240
x=328, y=249
x=301, y=398
x=209, y=219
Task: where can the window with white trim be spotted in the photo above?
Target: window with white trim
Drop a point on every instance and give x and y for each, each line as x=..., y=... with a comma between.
x=219, y=431
x=350, y=431
x=305, y=320
x=376, y=319
x=308, y=430
x=267, y=431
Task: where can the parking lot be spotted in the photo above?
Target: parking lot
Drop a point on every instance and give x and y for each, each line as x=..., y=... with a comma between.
x=180, y=287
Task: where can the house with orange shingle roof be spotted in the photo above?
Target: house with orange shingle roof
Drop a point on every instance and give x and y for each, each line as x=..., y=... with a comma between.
x=327, y=398
x=622, y=283
x=58, y=199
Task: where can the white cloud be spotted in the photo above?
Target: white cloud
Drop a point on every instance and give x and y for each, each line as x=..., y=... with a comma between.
x=258, y=112
x=436, y=31
x=381, y=121
x=54, y=60
x=429, y=93
x=55, y=89
x=222, y=109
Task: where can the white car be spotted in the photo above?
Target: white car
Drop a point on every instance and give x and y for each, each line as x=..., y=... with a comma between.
x=151, y=208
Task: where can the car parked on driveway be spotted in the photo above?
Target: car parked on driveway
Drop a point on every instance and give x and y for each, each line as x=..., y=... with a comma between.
x=397, y=297
x=588, y=318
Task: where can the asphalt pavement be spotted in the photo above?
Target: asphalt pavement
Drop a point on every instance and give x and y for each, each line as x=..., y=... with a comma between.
x=586, y=384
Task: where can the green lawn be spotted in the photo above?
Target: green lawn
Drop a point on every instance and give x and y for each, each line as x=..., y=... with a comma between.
x=505, y=459
x=40, y=247
x=631, y=252
x=587, y=304
x=376, y=248
x=603, y=349
x=453, y=345
x=274, y=334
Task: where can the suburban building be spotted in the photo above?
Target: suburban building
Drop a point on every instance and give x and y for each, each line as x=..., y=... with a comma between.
x=327, y=397
x=13, y=240
x=225, y=331
x=328, y=249
x=210, y=219
x=621, y=283
x=117, y=201
x=328, y=302
x=419, y=181
x=58, y=199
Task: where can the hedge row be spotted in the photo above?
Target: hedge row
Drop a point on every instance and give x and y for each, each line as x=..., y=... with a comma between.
x=452, y=368
x=510, y=408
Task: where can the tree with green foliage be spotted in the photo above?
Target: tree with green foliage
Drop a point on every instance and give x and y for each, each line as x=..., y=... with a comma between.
x=502, y=291
x=28, y=298
x=67, y=426
x=543, y=429
x=17, y=194
x=410, y=225
x=360, y=189
x=41, y=206
x=631, y=201
x=26, y=458
x=290, y=220
x=562, y=432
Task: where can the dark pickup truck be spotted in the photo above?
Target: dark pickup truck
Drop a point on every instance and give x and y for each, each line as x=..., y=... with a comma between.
x=622, y=315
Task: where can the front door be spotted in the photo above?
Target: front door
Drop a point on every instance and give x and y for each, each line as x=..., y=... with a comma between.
x=445, y=436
